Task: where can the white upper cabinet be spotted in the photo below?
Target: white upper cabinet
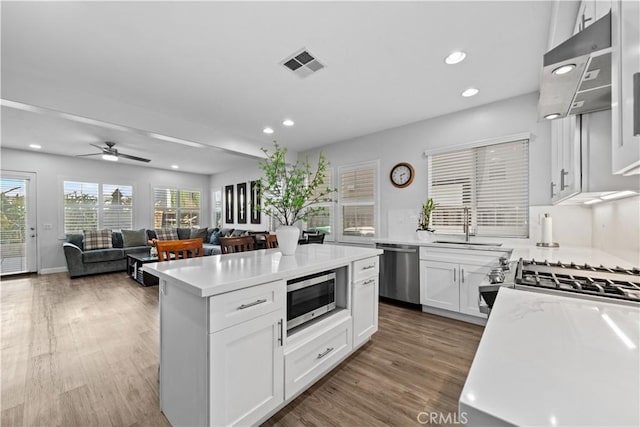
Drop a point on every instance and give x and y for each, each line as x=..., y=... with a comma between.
x=625, y=85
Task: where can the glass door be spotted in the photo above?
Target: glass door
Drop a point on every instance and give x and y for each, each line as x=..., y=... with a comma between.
x=17, y=227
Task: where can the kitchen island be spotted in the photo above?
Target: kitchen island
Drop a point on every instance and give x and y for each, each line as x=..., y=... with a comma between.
x=554, y=360
x=227, y=356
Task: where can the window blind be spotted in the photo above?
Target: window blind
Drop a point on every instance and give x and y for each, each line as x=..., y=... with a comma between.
x=92, y=206
x=357, y=200
x=117, y=206
x=492, y=182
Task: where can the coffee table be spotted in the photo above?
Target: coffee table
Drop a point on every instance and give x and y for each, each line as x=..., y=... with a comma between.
x=135, y=269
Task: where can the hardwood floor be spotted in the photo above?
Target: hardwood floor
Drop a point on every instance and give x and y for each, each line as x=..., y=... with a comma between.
x=84, y=352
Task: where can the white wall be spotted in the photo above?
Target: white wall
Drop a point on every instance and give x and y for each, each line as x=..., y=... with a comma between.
x=51, y=170
x=407, y=144
x=616, y=228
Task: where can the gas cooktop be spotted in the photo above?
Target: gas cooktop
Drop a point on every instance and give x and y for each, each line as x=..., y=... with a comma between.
x=616, y=283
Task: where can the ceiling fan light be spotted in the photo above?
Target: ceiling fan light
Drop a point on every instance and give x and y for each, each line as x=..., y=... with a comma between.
x=110, y=157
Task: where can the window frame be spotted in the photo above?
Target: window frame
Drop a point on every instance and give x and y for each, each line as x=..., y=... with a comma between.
x=99, y=205
x=178, y=207
x=474, y=184
x=339, y=221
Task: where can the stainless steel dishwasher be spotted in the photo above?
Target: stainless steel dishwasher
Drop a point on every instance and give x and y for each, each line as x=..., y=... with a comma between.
x=400, y=272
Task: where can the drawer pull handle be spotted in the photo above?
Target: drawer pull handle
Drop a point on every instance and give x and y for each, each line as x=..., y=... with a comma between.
x=251, y=304
x=368, y=282
x=323, y=354
x=369, y=267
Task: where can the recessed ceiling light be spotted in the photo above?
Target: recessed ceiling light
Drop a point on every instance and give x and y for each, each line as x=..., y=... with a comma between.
x=35, y=146
x=592, y=201
x=552, y=116
x=564, y=69
x=175, y=166
x=110, y=157
x=455, y=57
x=267, y=130
x=618, y=195
x=288, y=122
x=470, y=92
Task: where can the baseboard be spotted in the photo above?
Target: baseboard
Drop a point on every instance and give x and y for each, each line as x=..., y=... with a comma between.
x=53, y=270
x=454, y=315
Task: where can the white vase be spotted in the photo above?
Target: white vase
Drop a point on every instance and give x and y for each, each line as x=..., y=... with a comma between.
x=424, y=235
x=153, y=251
x=288, y=239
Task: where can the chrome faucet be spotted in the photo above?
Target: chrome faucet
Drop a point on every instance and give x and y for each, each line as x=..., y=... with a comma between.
x=465, y=225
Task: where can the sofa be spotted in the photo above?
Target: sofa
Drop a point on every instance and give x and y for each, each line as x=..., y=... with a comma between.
x=81, y=262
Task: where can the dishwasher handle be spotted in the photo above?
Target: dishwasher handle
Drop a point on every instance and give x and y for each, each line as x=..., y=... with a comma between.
x=391, y=249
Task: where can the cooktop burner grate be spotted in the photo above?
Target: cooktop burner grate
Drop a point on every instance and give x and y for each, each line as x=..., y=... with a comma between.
x=617, y=282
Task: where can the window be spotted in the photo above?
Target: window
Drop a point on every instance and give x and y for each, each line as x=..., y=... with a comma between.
x=357, y=200
x=92, y=206
x=492, y=182
x=176, y=208
x=322, y=220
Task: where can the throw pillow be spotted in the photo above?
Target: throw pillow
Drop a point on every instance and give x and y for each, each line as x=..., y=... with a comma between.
x=97, y=239
x=226, y=232
x=167, y=234
x=215, y=237
x=132, y=238
x=199, y=233
x=239, y=233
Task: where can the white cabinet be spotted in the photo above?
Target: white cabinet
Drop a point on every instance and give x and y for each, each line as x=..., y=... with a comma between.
x=365, y=292
x=625, y=86
x=565, y=158
x=471, y=276
x=246, y=364
x=439, y=285
x=589, y=12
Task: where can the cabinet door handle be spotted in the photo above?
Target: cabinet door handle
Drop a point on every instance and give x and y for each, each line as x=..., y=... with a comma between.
x=553, y=186
x=563, y=173
x=251, y=304
x=462, y=275
x=636, y=104
x=369, y=267
x=454, y=274
x=368, y=282
x=280, y=335
x=324, y=353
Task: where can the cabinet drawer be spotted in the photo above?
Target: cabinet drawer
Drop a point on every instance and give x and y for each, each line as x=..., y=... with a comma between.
x=309, y=362
x=365, y=268
x=236, y=307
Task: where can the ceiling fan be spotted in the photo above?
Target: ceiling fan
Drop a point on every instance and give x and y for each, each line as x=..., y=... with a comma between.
x=111, y=153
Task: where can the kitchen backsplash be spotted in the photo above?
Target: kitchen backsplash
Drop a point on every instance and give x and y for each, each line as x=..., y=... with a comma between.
x=616, y=228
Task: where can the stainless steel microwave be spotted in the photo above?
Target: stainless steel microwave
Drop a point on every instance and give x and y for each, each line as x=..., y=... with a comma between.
x=309, y=298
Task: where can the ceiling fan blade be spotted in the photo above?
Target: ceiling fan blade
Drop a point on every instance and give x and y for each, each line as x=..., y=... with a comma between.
x=127, y=156
x=98, y=147
x=87, y=155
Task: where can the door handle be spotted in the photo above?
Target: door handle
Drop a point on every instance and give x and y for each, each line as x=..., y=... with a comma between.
x=563, y=173
x=281, y=335
x=454, y=274
x=636, y=104
x=406, y=251
x=324, y=353
x=553, y=185
x=251, y=304
x=462, y=275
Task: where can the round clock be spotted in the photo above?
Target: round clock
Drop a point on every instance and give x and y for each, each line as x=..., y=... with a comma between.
x=402, y=175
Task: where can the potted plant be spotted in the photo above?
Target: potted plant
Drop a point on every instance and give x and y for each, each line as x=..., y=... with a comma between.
x=424, y=219
x=289, y=193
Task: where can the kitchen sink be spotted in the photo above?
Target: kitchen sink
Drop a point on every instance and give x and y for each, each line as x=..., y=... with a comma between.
x=453, y=242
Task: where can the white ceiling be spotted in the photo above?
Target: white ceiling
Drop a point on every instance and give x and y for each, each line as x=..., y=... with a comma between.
x=216, y=65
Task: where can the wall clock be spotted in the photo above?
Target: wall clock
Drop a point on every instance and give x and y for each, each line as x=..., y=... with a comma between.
x=402, y=175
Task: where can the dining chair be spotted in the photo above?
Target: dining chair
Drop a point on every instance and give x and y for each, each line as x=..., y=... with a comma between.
x=315, y=238
x=176, y=249
x=271, y=241
x=230, y=245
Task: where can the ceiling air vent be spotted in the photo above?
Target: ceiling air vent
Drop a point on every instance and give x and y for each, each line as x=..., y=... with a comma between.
x=302, y=63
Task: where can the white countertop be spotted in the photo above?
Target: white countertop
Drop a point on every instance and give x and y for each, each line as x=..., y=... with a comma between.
x=217, y=274
x=578, y=255
x=553, y=360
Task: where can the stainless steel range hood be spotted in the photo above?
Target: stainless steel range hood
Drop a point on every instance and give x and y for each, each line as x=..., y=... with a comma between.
x=587, y=86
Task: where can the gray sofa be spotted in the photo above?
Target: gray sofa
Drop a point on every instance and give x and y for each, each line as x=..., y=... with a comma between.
x=82, y=263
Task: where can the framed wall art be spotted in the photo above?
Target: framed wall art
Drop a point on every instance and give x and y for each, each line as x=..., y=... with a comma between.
x=228, y=204
x=242, y=203
x=255, y=202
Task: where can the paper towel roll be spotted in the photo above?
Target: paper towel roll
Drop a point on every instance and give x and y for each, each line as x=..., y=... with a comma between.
x=547, y=229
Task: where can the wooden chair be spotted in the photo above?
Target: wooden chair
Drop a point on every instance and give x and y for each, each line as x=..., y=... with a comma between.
x=230, y=245
x=271, y=241
x=176, y=249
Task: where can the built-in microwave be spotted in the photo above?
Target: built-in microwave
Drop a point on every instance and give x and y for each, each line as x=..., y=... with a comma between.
x=310, y=297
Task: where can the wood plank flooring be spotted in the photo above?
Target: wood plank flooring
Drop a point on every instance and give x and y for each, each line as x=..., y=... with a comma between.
x=84, y=352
